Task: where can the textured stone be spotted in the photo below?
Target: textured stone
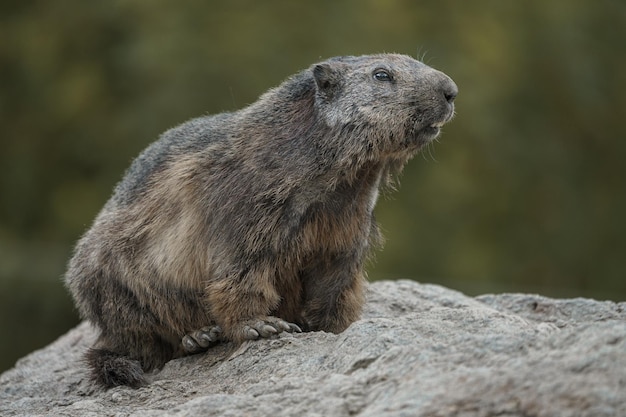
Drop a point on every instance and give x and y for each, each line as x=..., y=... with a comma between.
x=420, y=350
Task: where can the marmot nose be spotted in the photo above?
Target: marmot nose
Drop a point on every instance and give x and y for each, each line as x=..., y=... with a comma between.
x=449, y=90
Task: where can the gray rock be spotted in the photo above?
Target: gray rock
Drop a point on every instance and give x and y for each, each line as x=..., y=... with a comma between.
x=420, y=350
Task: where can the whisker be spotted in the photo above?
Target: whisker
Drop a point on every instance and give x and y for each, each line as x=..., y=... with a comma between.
x=432, y=151
x=420, y=56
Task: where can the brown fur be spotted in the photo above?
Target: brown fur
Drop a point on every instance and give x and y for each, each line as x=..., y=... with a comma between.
x=242, y=218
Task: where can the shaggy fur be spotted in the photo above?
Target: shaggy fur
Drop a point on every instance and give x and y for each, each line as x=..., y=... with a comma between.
x=235, y=221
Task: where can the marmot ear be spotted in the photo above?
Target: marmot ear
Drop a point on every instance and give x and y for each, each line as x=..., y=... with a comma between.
x=327, y=78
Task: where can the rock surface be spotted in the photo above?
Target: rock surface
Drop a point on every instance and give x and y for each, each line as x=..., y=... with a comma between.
x=420, y=350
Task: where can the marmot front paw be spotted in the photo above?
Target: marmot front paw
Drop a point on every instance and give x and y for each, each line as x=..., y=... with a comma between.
x=202, y=339
x=265, y=327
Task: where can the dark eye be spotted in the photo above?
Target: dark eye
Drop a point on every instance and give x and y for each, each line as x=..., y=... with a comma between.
x=382, y=75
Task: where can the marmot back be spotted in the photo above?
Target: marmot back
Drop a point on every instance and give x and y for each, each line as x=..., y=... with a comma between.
x=246, y=224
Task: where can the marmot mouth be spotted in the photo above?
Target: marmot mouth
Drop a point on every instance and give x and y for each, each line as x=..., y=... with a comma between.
x=431, y=131
x=416, y=138
x=421, y=135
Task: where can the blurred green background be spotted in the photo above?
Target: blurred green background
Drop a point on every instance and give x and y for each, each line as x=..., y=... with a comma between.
x=525, y=190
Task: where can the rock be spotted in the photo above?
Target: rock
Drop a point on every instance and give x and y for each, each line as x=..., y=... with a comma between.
x=420, y=350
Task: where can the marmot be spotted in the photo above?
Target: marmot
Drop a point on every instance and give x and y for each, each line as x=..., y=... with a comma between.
x=246, y=224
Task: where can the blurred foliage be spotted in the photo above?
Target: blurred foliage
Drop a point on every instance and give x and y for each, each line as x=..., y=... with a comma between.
x=524, y=192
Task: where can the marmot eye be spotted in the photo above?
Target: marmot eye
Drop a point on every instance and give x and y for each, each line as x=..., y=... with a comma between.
x=382, y=75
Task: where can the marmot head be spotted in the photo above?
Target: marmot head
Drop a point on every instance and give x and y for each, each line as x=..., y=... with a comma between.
x=398, y=102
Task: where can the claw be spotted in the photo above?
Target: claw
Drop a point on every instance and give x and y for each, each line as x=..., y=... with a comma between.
x=294, y=328
x=189, y=344
x=266, y=330
x=215, y=333
x=210, y=334
x=283, y=326
x=201, y=339
x=249, y=333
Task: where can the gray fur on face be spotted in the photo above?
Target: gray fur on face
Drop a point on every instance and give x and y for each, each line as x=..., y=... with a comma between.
x=250, y=223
